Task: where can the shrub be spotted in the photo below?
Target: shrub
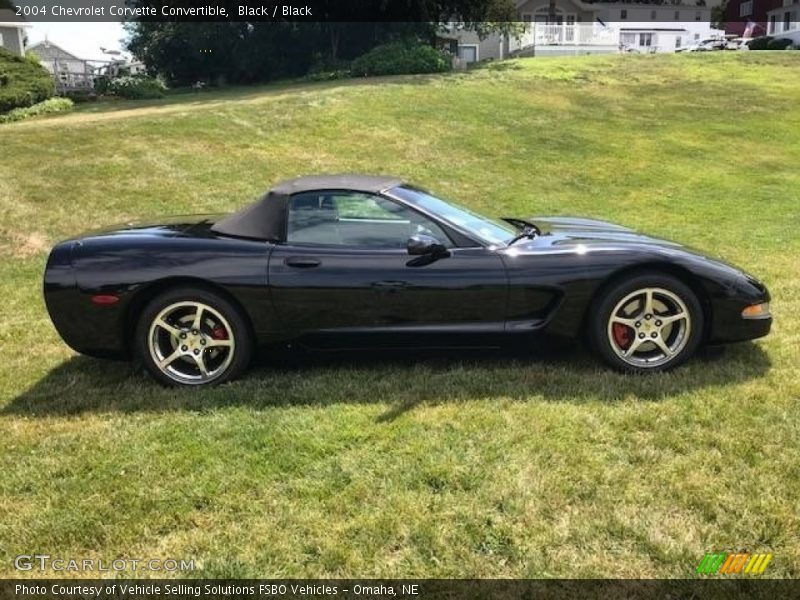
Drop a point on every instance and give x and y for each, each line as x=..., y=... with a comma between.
x=79, y=96
x=327, y=75
x=759, y=43
x=101, y=84
x=49, y=106
x=779, y=44
x=325, y=69
x=399, y=58
x=23, y=82
x=136, y=87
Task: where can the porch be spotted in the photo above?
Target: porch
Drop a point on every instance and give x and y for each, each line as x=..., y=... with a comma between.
x=565, y=33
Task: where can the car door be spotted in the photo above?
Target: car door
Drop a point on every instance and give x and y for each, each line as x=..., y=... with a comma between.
x=344, y=270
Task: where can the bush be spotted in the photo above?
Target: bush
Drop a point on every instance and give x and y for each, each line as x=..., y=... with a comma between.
x=49, y=106
x=327, y=75
x=23, y=82
x=759, y=43
x=101, y=84
x=400, y=58
x=135, y=87
x=80, y=96
x=779, y=44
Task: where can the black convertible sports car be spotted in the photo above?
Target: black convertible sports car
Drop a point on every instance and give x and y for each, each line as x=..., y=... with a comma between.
x=351, y=261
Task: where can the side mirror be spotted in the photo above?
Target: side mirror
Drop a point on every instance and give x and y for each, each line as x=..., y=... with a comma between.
x=425, y=245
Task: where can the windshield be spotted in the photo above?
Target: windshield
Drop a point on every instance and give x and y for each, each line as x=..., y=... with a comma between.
x=488, y=230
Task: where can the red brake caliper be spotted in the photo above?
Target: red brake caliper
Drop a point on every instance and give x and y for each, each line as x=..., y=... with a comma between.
x=219, y=333
x=622, y=335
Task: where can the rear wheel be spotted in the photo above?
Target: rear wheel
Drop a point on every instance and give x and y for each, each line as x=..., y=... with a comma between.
x=193, y=337
x=651, y=322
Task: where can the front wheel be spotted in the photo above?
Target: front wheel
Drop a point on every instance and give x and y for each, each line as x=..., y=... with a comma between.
x=193, y=337
x=651, y=322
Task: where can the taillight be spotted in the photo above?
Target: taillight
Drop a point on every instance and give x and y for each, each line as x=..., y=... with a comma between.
x=104, y=299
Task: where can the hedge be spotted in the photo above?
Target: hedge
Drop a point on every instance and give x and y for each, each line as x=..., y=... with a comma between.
x=49, y=106
x=23, y=82
x=759, y=43
x=400, y=58
x=779, y=44
x=135, y=87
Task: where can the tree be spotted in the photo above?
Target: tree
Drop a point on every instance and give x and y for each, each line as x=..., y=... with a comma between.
x=718, y=15
x=248, y=52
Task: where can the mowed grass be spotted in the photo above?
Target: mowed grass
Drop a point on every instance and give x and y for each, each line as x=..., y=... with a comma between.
x=437, y=466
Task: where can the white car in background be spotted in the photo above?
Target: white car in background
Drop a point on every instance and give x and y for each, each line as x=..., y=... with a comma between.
x=738, y=44
x=707, y=45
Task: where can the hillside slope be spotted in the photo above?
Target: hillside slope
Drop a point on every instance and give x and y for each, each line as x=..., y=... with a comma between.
x=451, y=466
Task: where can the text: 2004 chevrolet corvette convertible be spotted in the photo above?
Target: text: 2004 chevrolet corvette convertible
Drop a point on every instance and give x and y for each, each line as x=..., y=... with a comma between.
x=352, y=261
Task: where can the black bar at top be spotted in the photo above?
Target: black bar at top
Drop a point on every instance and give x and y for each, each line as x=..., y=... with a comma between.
x=312, y=11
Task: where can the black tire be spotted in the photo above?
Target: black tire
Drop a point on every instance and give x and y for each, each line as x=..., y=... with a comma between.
x=231, y=361
x=611, y=348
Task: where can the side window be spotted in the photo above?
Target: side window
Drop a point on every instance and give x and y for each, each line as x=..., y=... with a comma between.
x=357, y=220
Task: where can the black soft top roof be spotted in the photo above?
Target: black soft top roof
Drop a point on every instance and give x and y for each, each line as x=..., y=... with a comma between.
x=266, y=218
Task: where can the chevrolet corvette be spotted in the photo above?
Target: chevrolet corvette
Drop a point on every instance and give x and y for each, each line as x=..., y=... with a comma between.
x=354, y=261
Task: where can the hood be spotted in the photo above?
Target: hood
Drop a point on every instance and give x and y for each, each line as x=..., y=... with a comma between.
x=569, y=232
x=574, y=235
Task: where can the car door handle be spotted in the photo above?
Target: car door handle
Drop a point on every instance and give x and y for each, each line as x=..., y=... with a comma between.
x=300, y=262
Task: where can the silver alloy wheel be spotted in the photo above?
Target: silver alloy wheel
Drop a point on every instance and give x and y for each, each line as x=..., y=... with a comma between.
x=191, y=342
x=649, y=327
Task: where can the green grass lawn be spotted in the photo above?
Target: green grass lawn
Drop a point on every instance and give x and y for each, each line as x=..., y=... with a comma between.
x=452, y=466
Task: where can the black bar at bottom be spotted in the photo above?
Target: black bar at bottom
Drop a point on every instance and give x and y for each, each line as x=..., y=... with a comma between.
x=398, y=589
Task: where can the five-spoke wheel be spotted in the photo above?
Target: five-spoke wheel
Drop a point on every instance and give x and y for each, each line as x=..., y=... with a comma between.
x=193, y=337
x=649, y=322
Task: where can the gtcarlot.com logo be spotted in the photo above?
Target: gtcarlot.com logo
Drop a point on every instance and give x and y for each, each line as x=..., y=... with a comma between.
x=45, y=562
x=724, y=563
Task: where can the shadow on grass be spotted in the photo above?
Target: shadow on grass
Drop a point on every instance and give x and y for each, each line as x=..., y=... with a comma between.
x=399, y=380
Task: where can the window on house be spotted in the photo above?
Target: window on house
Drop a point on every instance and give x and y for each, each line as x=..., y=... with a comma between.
x=772, y=24
x=677, y=15
x=645, y=39
x=627, y=39
x=746, y=8
x=696, y=36
x=678, y=42
x=468, y=53
x=652, y=15
x=623, y=14
x=787, y=21
x=698, y=15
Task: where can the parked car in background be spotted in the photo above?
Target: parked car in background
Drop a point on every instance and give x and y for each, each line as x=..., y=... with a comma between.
x=707, y=45
x=738, y=43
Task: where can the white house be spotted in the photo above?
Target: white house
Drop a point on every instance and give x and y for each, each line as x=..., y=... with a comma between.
x=69, y=71
x=12, y=35
x=557, y=27
x=784, y=21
